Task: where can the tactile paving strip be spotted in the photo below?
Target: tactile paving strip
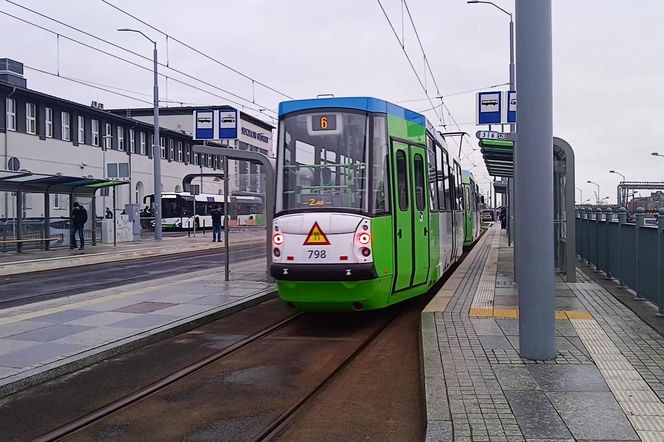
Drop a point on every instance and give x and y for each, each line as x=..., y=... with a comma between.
x=641, y=405
x=486, y=289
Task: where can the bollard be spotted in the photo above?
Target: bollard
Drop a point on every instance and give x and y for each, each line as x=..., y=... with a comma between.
x=640, y=215
x=608, y=219
x=660, y=261
x=622, y=220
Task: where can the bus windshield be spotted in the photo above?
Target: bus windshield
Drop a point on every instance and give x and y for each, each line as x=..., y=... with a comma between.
x=323, y=161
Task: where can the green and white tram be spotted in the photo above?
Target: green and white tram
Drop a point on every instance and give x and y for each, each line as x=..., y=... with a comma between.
x=369, y=204
x=472, y=203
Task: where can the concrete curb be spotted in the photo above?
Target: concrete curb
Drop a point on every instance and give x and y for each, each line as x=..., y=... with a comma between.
x=60, y=262
x=438, y=418
x=73, y=363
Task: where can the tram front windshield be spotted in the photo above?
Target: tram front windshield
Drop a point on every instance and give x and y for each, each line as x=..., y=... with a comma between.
x=323, y=161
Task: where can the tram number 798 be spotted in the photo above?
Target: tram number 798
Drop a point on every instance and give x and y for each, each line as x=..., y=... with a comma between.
x=317, y=254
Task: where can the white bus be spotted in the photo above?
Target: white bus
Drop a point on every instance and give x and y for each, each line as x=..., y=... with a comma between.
x=178, y=210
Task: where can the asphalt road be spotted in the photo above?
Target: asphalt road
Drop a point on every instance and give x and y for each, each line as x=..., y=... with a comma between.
x=39, y=286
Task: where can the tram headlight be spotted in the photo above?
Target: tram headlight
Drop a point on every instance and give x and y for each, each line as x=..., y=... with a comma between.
x=277, y=239
x=365, y=251
x=364, y=238
x=277, y=252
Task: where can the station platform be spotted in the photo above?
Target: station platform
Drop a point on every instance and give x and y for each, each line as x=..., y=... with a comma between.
x=606, y=382
x=44, y=340
x=12, y=263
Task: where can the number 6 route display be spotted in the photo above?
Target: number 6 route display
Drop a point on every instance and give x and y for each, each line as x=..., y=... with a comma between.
x=369, y=205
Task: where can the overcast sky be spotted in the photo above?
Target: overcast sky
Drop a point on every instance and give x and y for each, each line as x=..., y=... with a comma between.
x=608, y=62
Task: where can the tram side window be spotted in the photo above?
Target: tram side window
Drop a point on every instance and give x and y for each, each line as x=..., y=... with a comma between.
x=433, y=185
x=380, y=165
x=459, y=194
x=402, y=180
x=441, y=166
x=447, y=192
x=420, y=190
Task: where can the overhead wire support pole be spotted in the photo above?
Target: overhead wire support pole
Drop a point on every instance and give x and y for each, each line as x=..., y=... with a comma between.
x=199, y=52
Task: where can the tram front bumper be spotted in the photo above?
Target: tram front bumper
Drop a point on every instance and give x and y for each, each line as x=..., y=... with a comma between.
x=323, y=272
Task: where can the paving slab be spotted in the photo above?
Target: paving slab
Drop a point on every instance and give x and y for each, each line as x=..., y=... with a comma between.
x=605, y=383
x=43, y=340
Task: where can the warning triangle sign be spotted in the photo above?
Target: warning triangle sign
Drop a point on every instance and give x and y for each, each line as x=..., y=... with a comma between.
x=316, y=237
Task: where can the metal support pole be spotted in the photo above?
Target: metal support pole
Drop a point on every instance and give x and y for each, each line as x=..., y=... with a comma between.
x=622, y=220
x=640, y=215
x=226, y=244
x=156, y=154
x=534, y=172
x=660, y=262
x=93, y=215
x=608, y=219
x=115, y=221
x=598, y=220
x=47, y=220
x=19, y=219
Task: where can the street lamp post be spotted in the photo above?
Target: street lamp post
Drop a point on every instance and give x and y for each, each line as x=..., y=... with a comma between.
x=618, y=191
x=581, y=192
x=156, y=149
x=598, y=194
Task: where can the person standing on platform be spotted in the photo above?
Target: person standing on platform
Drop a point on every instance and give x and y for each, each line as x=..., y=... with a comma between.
x=503, y=217
x=79, y=216
x=216, y=224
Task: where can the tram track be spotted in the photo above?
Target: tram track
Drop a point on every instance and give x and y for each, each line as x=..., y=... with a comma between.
x=40, y=286
x=289, y=338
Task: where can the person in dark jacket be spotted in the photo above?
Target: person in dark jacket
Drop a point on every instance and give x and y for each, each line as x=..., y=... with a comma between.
x=503, y=217
x=216, y=225
x=79, y=216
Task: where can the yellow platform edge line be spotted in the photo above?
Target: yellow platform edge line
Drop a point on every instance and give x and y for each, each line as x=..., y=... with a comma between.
x=478, y=312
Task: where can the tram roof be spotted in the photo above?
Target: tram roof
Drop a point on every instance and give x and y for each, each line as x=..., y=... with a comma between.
x=368, y=104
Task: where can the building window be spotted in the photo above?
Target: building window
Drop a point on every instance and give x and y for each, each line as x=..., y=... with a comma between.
x=95, y=132
x=81, y=129
x=108, y=138
x=121, y=144
x=11, y=114
x=195, y=159
x=48, y=120
x=180, y=151
x=187, y=153
x=132, y=141
x=162, y=143
x=66, y=135
x=30, y=118
x=171, y=149
x=141, y=137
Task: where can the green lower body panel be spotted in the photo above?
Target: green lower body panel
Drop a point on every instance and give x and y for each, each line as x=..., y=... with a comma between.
x=345, y=296
x=337, y=296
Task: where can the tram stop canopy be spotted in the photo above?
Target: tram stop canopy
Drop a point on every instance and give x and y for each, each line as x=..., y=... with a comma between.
x=27, y=182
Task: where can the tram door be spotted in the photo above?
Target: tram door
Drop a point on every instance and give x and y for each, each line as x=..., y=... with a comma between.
x=411, y=222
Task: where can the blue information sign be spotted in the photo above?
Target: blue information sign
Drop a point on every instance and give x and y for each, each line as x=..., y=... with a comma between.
x=228, y=124
x=489, y=105
x=511, y=107
x=204, y=124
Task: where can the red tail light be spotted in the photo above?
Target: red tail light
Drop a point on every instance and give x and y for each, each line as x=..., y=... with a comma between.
x=364, y=238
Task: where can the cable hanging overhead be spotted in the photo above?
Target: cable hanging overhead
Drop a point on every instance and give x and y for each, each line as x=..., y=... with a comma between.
x=135, y=54
x=199, y=52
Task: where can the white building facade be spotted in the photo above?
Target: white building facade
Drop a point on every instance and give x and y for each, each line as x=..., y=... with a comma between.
x=45, y=134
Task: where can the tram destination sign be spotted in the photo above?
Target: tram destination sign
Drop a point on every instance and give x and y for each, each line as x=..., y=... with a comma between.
x=493, y=135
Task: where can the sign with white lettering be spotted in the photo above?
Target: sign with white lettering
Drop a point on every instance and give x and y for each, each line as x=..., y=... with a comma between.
x=490, y=135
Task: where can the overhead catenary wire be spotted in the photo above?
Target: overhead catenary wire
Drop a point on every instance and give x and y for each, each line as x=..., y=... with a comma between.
x=137, y=54
x=453, y=94
x=199, y=52
x=403, y=48
x=108, y=88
